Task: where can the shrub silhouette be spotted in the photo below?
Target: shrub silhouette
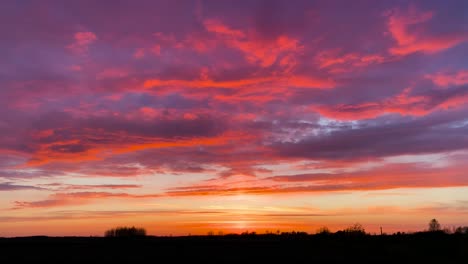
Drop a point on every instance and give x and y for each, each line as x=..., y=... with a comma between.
x=323, y=231
x=125, y=232
x=355, y=229
x=434, y=225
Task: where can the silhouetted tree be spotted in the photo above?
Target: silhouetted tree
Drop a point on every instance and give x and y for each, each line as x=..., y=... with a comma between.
x=125, y=232
x=355, y=229
x=247, y=233
x=434, y=225
x=323, y=230
x=461, y=230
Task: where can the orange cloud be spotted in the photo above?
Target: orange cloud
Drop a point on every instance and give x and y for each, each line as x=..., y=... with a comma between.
x=407, y=28
x=388, y=176
x=63, y=151
x=76, y=151
x=384, y=177
x=206, y=83
x=403, y=104
x=257, y=51
x=266, y=54
x=293, y=81
x=309, y=82
x=176, y=143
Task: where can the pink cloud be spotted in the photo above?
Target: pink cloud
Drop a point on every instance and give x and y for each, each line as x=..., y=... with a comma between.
x=156, y=50
x=410, y=31
x=112, y=73
x=75, y=68
x=216, y=26
x=69, y=187
x=149, y=112
x=43, y=133
x=448, y=79
x=256, y=51
x=334, y=61
x=82, y=42
x=139, y=53
x=384, y=177
x=403, y=104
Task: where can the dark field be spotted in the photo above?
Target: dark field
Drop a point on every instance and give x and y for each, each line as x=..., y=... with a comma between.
x=416, y=248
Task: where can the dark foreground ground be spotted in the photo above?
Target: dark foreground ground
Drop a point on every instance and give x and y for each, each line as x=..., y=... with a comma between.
x=416, y=248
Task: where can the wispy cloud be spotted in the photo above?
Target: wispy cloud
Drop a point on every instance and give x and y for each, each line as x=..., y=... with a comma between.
x=8, y=186
x=419, y=40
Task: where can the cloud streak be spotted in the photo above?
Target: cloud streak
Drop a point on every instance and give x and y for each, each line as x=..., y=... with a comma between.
x=8, y=186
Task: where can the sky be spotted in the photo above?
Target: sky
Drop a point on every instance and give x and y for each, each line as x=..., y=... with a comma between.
x=185, y=117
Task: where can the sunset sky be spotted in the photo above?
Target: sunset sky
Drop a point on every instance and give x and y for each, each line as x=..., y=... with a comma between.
x=185, y=117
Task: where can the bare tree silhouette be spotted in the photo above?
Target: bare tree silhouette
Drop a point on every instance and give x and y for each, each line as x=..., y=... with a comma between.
x=434, y=225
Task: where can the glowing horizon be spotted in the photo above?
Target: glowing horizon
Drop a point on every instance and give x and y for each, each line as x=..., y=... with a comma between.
x=196, y=116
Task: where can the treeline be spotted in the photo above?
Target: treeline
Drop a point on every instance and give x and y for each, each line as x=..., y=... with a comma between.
x=353, y=230
x=358, y=230
x=125, y=232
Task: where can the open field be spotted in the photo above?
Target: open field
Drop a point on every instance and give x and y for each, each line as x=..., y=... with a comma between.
x=419, y=248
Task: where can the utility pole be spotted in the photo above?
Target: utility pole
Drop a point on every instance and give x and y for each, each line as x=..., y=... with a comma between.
x=381, y=233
